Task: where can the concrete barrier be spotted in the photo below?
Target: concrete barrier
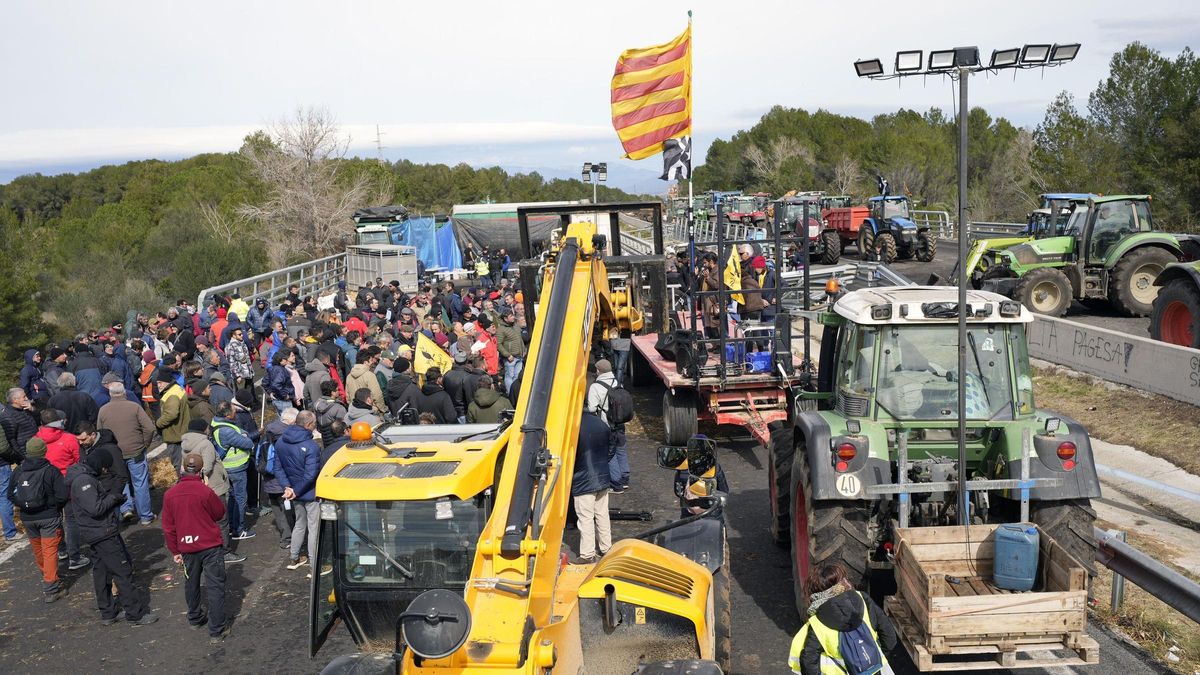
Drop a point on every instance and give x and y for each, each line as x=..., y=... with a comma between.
x=1138, y=362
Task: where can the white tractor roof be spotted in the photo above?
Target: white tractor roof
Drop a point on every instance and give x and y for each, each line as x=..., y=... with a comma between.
x=910, y=303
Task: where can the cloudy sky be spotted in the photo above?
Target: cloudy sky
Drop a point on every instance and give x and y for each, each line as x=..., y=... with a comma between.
x=520, y=84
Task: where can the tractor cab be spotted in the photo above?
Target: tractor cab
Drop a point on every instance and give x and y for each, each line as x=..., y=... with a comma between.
x=402, y=509
x=891, y=207
x=836, y=202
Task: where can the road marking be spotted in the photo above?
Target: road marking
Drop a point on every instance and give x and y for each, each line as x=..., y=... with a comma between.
x=11, y=550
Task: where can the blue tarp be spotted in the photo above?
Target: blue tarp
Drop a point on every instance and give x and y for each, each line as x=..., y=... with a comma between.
x=436, y=246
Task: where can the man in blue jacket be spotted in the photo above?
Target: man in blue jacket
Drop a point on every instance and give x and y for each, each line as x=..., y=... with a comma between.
x=298, y=458
x=31, y=376
x=234, y=448
x=590, y=486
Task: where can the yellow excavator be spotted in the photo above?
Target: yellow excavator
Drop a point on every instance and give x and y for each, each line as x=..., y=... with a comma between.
x=466, y=533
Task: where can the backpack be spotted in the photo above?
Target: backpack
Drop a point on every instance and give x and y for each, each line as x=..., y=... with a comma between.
x=266, y=460
x=410, y=415
x=30, y=492
x=860, y=653
x=618, y=408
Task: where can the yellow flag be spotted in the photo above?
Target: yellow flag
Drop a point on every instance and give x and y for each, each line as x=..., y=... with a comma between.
x=429, y=354
x=733, y=276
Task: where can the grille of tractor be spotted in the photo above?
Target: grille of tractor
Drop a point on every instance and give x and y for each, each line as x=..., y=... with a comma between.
x=851, y=406
x=649, y=574
x=383, y=470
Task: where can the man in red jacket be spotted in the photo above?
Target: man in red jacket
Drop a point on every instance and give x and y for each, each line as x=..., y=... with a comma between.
x=191, y=511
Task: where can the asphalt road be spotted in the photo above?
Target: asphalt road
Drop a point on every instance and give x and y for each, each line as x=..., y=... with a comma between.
x=943, y=265
x=270, y=603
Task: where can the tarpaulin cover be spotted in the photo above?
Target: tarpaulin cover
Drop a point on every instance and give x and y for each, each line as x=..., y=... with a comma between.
x=436, y=246
x=500, y=230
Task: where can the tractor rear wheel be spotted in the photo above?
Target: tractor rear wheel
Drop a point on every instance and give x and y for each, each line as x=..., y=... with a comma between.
x=825, y=532
x=679, y=417
x=780, y=453
x=723, y=615
x=885, y=247
x=1045, y=291
x=1132, y=288
x=831, y=247
x=926, y=246
x=1069, y=522
x=866, y=243
x=1176, y=315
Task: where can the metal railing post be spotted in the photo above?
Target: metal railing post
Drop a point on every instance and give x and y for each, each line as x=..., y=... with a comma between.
x=1118, y=582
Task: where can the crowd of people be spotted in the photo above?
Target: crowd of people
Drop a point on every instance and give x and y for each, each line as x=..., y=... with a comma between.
x=756, y=288
x=85, y=415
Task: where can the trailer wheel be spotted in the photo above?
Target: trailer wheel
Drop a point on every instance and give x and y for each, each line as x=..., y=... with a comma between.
x=1132, y=288
x=885, y=247
x=831, y=247
x=866, y=242
x=926, y=246
x=680, y=417
x=1176, y=315
x=780, y=453
x=723, y=615
x=1069, y=522
x=824, y=532
x=1044, y=291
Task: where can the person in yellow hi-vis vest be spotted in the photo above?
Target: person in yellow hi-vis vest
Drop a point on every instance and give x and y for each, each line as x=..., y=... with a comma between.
x=846, y=632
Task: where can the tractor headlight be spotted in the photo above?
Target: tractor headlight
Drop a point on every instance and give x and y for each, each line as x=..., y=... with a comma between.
x=1010, y=309
x=881, y=312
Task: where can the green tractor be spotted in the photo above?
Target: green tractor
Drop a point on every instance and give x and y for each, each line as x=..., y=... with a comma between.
x=1108, y=250
x=881, y=444
x=1176, y=314
x=1048, y=220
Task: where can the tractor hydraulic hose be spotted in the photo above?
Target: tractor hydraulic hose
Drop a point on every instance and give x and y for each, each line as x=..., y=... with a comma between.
x=533, y=437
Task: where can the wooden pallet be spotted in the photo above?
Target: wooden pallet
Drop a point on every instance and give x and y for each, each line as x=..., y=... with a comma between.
x=1005, y=650
x=948, y=612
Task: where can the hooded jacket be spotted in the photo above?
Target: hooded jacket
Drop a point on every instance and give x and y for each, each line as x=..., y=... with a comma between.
x=77, y=405
x=62, y=449
x=199, y=408
x=315, y=373
x=39, y=469
x=50, y=372
x=190, y=513
x=195, y=442
x=174, y=418
x=31, y=377
x=118, y=476
x=299, y=458
x=88, y=371
x=487, y=406
x=120, y=366
x=844, y=612
x=435, y=400
x=129, y=423
x=403, y=390
x=259, y=317
x=95, y=509
x=361, y=377
x=357, y=414
x=328, y=410
x=279, y=383
x=509, y=341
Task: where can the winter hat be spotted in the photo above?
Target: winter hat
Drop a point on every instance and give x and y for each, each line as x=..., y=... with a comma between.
x=35, y=448
x=148, y=356
x=460, y=358
x=401, y=365
x=56, y=352
x=483, y=322
x=222, y=312
x=217, y=377
x=110, y=377
x=202, y=341
x=603, y=366
x=165, y=375
x=759, y=263
x=99, y=461
x=198, y=425
x=245, y=397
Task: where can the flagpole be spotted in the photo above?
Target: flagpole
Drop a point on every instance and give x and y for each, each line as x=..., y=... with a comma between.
x=691, y=214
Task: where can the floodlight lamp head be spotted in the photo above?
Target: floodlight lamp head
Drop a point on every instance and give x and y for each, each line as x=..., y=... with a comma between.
x=587, y=171
x=942, y=59
x=1005, y=58
x=1064, y=53
x=909, y=61
x=868, y=67
x=1035, y=54
x=602, y=171
x=966, y=57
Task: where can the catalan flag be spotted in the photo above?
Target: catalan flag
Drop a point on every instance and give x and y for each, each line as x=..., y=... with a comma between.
x=652, y=95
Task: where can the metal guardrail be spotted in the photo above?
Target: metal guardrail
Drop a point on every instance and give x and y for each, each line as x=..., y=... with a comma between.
x=313, y=277
x=1164, y=583
x=938, y=221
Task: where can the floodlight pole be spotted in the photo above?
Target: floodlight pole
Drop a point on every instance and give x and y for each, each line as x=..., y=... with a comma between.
x=964, y=511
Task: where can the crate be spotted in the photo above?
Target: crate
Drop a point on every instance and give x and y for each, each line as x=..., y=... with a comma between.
x=950, y=616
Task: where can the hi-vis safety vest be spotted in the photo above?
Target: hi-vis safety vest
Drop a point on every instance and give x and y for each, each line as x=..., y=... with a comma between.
x=235, y=458
x=831, y=658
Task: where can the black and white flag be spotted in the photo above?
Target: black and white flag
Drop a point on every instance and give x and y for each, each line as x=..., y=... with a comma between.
x=677, y=159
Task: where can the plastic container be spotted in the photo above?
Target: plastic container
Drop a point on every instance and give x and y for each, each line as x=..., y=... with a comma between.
x=735, y=353
x=1016, y=562
x=760, y=362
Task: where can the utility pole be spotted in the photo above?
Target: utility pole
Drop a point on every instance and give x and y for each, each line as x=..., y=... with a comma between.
x=379, y=146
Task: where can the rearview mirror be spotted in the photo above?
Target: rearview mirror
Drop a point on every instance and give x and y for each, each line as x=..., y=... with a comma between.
x=701, y=456
x=671, y=457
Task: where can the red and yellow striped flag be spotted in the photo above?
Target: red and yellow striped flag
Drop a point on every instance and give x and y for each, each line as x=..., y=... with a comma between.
x=652, y=95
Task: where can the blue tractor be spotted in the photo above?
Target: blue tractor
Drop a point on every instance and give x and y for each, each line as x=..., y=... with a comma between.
x=889, y=232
